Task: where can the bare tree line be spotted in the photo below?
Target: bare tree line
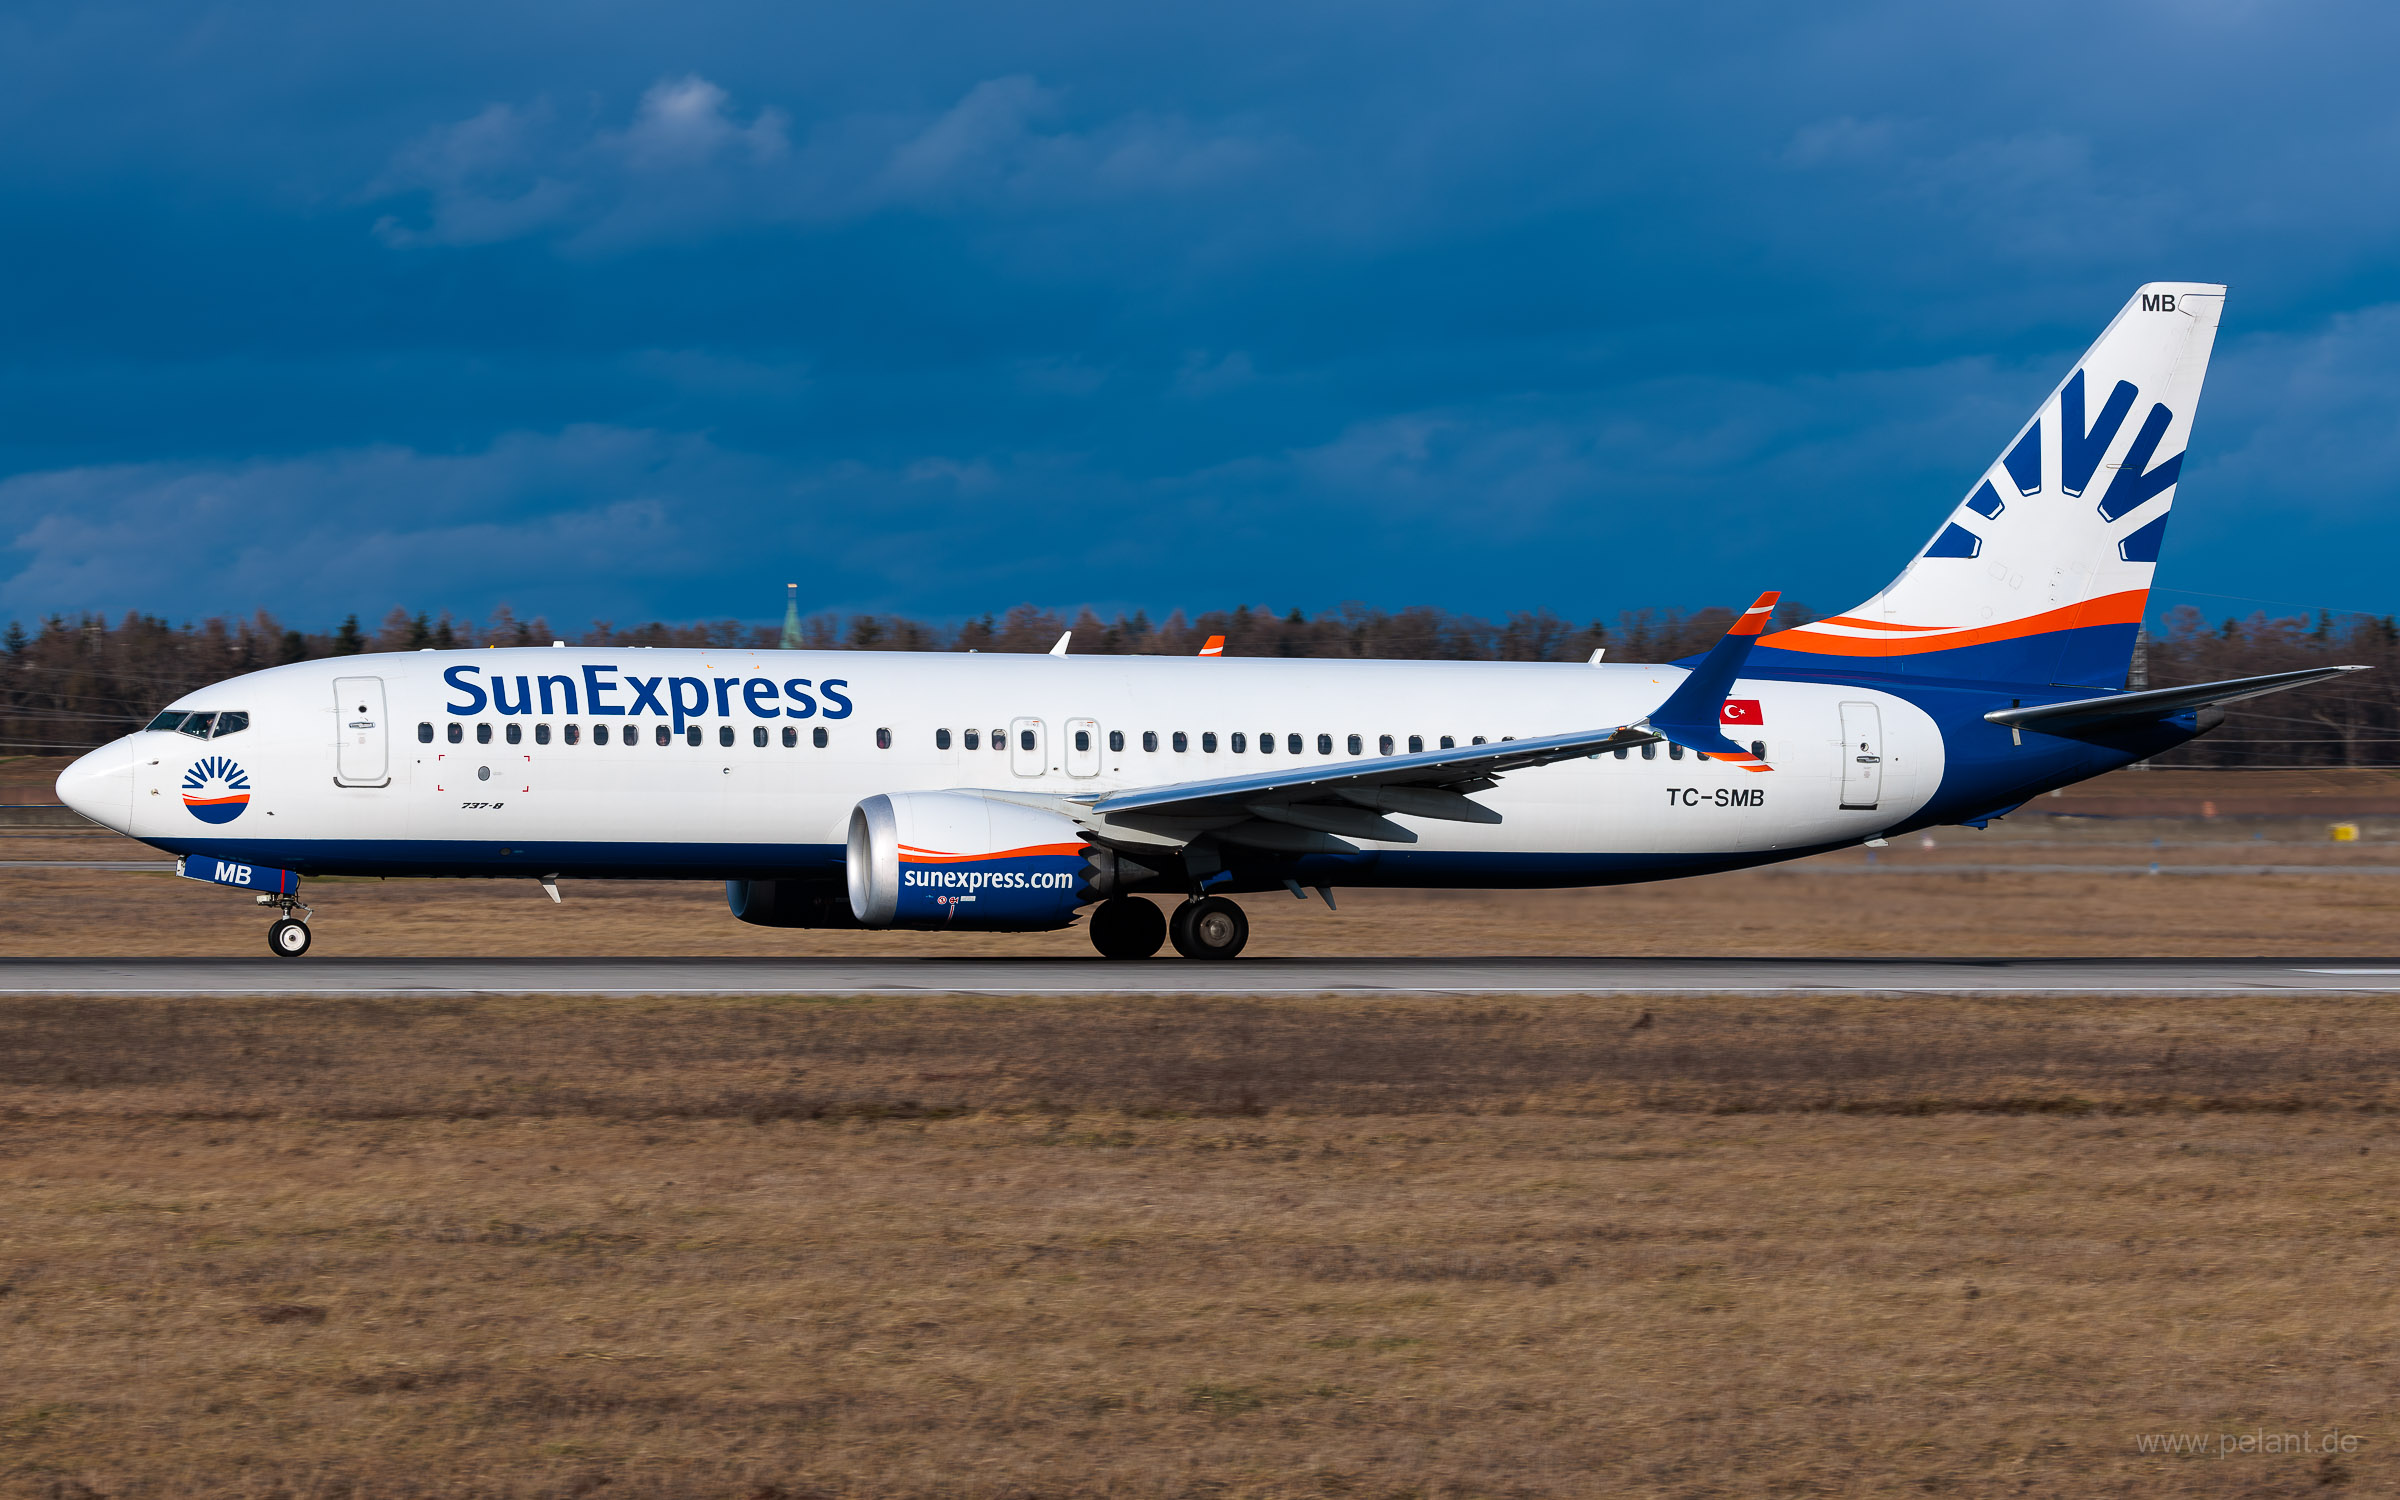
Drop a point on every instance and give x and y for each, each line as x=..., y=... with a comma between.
x=75, y=683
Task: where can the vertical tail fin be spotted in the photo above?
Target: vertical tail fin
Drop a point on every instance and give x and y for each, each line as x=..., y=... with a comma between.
x=2042, y=573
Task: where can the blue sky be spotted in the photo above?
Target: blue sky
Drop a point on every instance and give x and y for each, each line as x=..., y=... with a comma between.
x=629, y=311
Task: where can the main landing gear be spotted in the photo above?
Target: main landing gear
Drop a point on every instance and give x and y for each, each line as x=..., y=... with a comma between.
x=1211, y=927
x=1130, y=927
x=289, y=936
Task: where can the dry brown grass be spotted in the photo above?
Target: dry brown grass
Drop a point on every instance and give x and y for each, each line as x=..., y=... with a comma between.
x=1528, y=1247
x=1798, y=909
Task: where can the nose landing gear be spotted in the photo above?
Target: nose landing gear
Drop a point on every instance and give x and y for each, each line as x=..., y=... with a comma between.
x=288, y=937
x=1211, y=927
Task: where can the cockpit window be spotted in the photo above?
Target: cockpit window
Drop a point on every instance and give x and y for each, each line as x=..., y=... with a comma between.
x=200, y=726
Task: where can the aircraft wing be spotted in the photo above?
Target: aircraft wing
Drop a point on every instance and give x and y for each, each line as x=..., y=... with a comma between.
x=1307, y=807
x=1304, y=807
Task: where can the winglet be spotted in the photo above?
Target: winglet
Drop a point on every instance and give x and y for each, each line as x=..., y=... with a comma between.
x=1215, y=646
x=1692, y=713
x=1061, y=648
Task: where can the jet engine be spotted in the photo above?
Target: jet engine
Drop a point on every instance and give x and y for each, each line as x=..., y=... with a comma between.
x=957, y=860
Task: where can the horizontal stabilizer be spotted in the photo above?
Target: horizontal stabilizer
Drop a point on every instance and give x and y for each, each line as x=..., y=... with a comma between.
x=2125, y=710
x=1692, y=713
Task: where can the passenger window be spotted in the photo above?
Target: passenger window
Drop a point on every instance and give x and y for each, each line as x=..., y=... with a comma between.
x=1150, y=740
x=791, y=737
x=1266, y=744
x=1622, y=751
x=1208, y=742
x=758, y=736
x=171, y=719
x=1116, y=741
x=1083, y=739
x=574, y=732
x=1383, y=745
x=1759, y=748
x=1237, y=742
x=883, y=739
x=724, y=734
x=230, y=723
x=1650, y=750
x=483, y=734
x=457, y=732
x=1476, y=741
x=198, y=725
x=425, y=732
x=818, y=737
x=974, y=741
x=1359, y=746
x=999, y=739
x=941, y=739
x=515, y=733
x=1025, y=739
x=1291, y=742
x=1449, y=743
x=662, y=734
x=1325, y=746
x=541, y=734
x=599, y=734
x=691, y=736
x=1416, y=744
x=1674, y=752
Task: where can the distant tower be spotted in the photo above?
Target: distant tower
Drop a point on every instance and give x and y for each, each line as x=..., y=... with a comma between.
x=791, y=617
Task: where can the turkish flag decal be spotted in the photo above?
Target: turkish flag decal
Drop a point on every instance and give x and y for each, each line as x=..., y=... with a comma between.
x=1742, y=711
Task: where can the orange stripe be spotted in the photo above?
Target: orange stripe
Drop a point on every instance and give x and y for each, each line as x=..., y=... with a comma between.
x=911, y=854
x=2112, y=609
x=190, y=801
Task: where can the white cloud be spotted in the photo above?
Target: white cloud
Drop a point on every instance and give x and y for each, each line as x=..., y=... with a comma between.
x=360, y=529
x=688, y=163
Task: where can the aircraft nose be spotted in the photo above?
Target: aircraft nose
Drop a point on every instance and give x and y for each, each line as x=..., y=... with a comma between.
x=100, y=785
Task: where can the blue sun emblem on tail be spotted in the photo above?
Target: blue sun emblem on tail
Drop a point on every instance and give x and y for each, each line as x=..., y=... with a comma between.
x=216, y=790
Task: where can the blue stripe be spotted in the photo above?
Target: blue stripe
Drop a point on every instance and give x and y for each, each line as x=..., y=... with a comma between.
x=598, y=860
x=2087, y=656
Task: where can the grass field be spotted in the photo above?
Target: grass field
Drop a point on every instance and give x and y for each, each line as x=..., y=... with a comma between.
x=1531, y=1247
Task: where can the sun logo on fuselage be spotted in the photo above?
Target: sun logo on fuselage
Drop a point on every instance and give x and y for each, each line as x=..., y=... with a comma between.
x=216, y=790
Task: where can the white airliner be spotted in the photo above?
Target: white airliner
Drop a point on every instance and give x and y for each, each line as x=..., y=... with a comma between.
x=1008, y=793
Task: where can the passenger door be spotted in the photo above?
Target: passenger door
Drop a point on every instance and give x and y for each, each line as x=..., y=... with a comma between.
x=1862, y=755
x=1083, y=747
x=1028, y=748
x=362, y=753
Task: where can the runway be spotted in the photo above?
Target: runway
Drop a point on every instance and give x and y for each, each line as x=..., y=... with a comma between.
x=339, y=977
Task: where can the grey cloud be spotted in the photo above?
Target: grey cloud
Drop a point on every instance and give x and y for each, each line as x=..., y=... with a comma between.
x=688, y=165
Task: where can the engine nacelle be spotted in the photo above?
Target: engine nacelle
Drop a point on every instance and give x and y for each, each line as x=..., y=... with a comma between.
x=956, y=860
x=790, y=903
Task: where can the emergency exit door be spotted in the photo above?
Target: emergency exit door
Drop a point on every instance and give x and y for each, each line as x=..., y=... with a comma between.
x=1862, y=755
x=1028, y=749
x=362, y=753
